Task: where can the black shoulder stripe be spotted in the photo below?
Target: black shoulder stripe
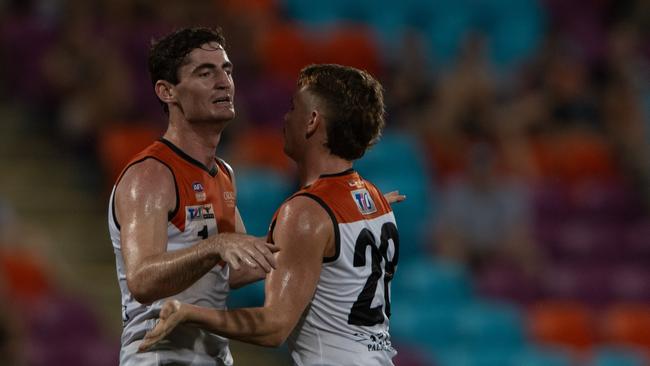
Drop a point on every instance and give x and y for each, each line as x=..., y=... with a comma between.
x=337, y=234
x=226, y=167
x=270, y=234
x=171, y=214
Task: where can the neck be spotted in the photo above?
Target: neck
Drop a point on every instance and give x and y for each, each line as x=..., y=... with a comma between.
x=198, y=140
x=310, y=169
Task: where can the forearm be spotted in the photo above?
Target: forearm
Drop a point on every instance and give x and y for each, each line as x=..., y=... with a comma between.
x=245, y=275
x=169, y=273
x=260, y=326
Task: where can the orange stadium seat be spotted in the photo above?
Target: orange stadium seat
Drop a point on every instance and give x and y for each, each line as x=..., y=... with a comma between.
x=119, y=143
x=248, y=6
x=260, y=148
x=627, y=324
x=562, y=323
x=24, y=274
x=575, y=157
x=284, y=51
x=352, y=46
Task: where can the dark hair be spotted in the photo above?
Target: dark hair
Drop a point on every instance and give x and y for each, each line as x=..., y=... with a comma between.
x=167, y=54
x=354, y=107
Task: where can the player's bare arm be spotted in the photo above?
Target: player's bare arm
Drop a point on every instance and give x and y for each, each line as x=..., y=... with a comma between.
x=305, y=234
x=143, y=199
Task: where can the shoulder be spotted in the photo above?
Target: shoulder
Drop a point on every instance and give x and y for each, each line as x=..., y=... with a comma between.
x=303, y=216
x=147, y=178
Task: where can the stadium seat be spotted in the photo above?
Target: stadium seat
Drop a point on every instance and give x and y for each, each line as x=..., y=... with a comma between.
x=576, y=281
x=261, y=148
x=446, y=28
x=425, y=295
x=403, y=152
x=441, y=282
x=636, y=240
x=542, y=356
x=409, y=355
x=259, y=193
x=272, y=51
x=514, y=29
x=629, y=283
x=422, y=322
x=626, y=324
x=25, y=275
x=502, y=281
x=251, y=295
x=618, y=356
x=561, y=323
x=119, y=143
x=489, y=325
x=471, y=356
x=575, y=158
x=500, y=356
x=583, y=240
x=315, y=14
x=244, y=7
x=389, y=20
x=351, y=45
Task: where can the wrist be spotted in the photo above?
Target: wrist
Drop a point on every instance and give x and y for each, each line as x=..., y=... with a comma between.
x=216, y=247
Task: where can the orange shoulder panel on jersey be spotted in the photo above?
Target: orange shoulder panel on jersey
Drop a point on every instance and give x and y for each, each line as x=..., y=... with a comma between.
x=197, y=188
x=346, y=196
x=349, y=197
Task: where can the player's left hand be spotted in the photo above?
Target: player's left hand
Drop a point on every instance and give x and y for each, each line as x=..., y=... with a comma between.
x=171, y=315
x=394, y=197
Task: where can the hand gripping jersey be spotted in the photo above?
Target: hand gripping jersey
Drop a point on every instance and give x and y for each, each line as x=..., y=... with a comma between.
x=346, y=322
x=205, y=205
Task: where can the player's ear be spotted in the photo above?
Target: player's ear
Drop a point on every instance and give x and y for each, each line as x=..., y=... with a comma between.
x=165, y=91
x=315, y=120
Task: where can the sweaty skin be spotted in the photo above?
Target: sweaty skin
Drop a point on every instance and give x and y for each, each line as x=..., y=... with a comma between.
x=304, y=234
x=200, y=106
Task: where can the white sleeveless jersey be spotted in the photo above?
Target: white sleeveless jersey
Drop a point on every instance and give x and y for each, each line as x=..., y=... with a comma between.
x=347, y=320
x=205, y=205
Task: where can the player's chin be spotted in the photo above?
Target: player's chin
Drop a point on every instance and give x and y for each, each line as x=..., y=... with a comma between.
x=225, y=114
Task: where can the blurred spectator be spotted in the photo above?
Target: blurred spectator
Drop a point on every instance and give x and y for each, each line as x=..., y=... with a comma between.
x=87, y=77
x=11, y=335
x=462, y=109
x=485, y=217
x=625, y=79
x=500, y=113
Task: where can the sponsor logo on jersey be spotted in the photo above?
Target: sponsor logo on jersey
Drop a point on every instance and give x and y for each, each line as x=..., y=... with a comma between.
x=202, y=212
x=356, y=183
x=375, y=342
x=199, y=191
x=229, y=197
x=364, y=201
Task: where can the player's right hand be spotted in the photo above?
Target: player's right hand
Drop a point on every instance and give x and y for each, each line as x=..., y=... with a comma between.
x=171, y=314
x=234, y=249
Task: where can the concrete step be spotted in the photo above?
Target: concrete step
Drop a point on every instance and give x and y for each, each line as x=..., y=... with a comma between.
x=45, y=203
x=82, y=240
x=50, y=173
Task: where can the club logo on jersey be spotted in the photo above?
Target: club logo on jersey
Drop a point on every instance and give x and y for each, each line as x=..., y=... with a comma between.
x=199, y=191
x=364, y=201
x=202, y=212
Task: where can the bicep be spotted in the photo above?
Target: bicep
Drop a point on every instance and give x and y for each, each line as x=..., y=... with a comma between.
x=302, y=232
x=143, y=199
